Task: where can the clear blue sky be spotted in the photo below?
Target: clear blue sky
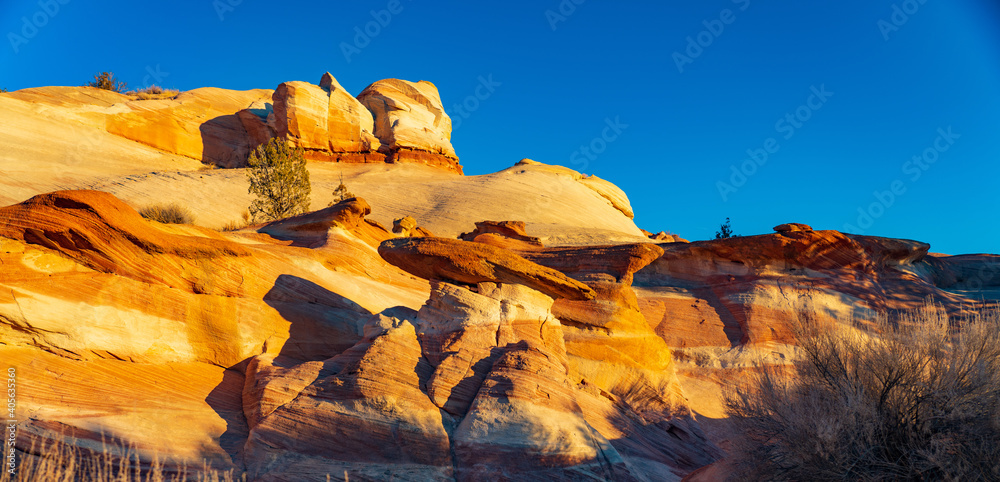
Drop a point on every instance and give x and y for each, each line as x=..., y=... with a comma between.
x=891, y=83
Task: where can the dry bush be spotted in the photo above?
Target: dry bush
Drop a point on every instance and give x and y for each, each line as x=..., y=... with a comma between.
x=107, y=81
x=917, y=399
x=238, y=225
x=341, y=193
x=61, y=462
x=153, y=92
x=172, y=213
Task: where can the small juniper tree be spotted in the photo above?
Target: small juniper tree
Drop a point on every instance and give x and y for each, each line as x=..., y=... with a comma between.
x=341, y=193
x=279, y=178
x=725, y=230
x=107, y=81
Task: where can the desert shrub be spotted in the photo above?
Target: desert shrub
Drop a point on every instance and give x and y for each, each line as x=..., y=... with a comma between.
x=279, y=178
x=2, y=90
x=107, y=81
x=725, y=230
x=172, y=213
x=341, y=193
x=153, y=92
x=910, y=400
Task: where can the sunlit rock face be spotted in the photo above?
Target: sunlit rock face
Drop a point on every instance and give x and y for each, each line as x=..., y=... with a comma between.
x=395, y=121
x=411, y=122
x=327, y=122
x=141, y=332
x=746, y=290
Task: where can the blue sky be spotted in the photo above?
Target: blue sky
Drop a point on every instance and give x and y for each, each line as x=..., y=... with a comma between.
x=868, y=86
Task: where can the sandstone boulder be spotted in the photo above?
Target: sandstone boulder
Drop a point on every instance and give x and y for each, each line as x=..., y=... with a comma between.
x=792, y=227
x=312, y=229
x=326, y=121
x=406, y=226
x=511, y=230
x=663, y=237
x=411, y=122
x=473, y=263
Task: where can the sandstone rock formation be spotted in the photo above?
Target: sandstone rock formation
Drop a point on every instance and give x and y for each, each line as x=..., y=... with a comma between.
x=726, y=304
x=200, y=124
x=313, y=229
x=615, y=196
x=139, y=331
x=473, y=263
x=411, y=122
x=505, y=234
x=407, y=226
x=220, y=127
x=326, y=345
x=524, y=407
x=792, y=227
x=664, y=237
x=518, y=361
x=326, y=121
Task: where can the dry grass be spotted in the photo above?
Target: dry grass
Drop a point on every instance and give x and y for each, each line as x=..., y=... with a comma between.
x=153, y=92
x=238, y=225
x=172, y=213
x=916, y=399
x=60, y=462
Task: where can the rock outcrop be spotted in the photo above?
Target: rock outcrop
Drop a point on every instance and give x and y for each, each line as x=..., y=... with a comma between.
x=524, y=405
x=327, y=345
x=98, y=231
x=411, y=122
x=613, y=194
x=792, y=227
x=473, y=263
x=293, y=350
x=406, y=226
x=138, y=332
x=313, y=229
x=706, y=297
x=504, y=234
x=221, y=127
x=664, y=237
x=326, y=121
x=201, y=124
